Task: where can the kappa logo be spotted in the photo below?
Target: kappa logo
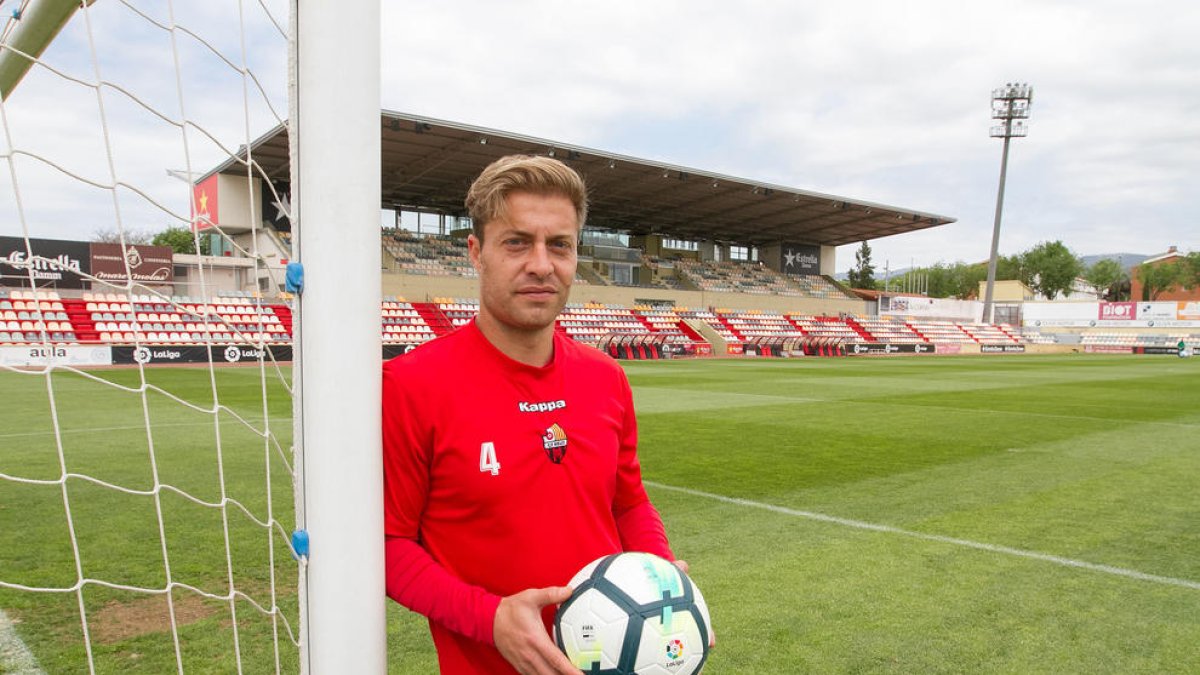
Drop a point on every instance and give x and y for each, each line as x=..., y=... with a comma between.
x=544, y=406
x=555, y=443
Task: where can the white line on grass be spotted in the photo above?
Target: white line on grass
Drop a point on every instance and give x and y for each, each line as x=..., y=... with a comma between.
x=15, y=657
x=993, y=548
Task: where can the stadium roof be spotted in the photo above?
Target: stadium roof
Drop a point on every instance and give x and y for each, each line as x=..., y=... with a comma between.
x=428, y=165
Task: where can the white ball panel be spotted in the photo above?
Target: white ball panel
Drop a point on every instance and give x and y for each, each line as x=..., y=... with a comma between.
x=703, y=607
x=593, y=628
x=639, y=576
x=678, y=651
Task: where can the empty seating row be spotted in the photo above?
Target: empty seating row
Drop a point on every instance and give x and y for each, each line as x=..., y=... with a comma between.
x=31, y=305
x=934, y=331
x=198, y=338
x=19, y=294
x=35, y=315
x=18, y=337
x=884, y=329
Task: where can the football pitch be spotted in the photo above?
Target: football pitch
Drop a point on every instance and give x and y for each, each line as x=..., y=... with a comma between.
x=949, y=514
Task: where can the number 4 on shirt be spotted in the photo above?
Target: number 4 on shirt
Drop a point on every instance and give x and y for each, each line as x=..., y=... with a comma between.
x=487, y=458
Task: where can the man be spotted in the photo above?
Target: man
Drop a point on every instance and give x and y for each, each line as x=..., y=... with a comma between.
x=510, y=451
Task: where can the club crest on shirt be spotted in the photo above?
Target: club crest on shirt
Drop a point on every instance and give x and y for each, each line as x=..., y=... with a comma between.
x=555, y=443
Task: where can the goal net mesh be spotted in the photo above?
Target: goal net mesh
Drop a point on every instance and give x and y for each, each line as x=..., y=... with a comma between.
x=147, y=511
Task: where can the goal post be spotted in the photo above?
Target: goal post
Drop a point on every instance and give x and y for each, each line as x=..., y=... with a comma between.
x=336, y=193
x=39, y=23
x=157, y=509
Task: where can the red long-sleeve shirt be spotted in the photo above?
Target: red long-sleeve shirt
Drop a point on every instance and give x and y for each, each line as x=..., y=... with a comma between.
x=501, y=477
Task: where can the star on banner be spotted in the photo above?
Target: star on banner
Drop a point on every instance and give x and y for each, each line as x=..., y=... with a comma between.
x=283, y=207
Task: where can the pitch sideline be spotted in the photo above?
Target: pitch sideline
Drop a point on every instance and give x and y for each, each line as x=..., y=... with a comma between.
x=15, y=657
x=992, y=548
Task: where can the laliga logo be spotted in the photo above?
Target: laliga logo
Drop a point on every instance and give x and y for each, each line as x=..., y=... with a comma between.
x=233, y=354
x=674, y=649
x=141, y=355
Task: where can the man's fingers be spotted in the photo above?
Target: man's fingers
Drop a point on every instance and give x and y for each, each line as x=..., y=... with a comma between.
x=682, y=565
x=521, y=637
x=550, y=596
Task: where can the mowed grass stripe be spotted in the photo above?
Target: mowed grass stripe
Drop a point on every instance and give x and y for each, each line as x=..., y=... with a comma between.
x=103, y=434
x=888, y=529
x=961, y=454
x=1087, y=458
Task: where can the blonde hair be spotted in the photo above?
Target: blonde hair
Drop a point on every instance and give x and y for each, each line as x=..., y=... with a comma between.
x=522, y=173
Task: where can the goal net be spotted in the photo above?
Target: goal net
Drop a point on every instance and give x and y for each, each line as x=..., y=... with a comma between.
x=188, y=452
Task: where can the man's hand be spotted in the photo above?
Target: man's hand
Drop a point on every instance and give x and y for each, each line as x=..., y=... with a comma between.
x=521, y=636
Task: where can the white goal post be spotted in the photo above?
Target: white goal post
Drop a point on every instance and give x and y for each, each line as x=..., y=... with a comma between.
x=165, y=493
x=336, y=193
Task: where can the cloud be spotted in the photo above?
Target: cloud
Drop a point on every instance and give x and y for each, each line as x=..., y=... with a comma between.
x=885, y=102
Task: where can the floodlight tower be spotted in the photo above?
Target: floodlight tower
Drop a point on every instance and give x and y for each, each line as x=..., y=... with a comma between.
x=1010, y=107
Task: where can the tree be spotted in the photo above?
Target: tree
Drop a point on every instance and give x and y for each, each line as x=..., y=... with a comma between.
x=967, y=277
x=1107, y=277
x=181, y=240
x=1013, y=267
x=941, y=280
x=862, y=275
x=1052, y=268
x=106, y=235
x=1189, y=276
x=1159, y=278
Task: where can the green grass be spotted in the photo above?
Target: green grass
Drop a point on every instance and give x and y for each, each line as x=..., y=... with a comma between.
x=1092, y=459
x=103, y=434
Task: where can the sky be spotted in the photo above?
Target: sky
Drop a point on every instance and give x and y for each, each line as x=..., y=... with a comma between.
x=879, y=101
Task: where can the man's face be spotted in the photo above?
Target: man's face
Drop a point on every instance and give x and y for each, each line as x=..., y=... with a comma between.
x=526, y=262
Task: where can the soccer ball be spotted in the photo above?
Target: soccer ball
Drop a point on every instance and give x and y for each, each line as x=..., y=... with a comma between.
x=633, y=614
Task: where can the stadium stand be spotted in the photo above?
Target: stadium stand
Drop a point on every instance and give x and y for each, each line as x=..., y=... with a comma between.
x=404, y=324
x=755, y=323
x=667, y=323
x=30, y=317
x=815, y=286
x=457, y=312
x=887, y=329
x=989, y=334
x=232, y=319
x=1113, y=339
x=941, y=331
x=754, y=279
x=589, y=322
x=712, y=321
x=823, y=327
x=428, y=254
x=1038, y=338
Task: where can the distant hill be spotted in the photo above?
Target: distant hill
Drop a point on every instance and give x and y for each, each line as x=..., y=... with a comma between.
x=1128, y=260
x=844, y=276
